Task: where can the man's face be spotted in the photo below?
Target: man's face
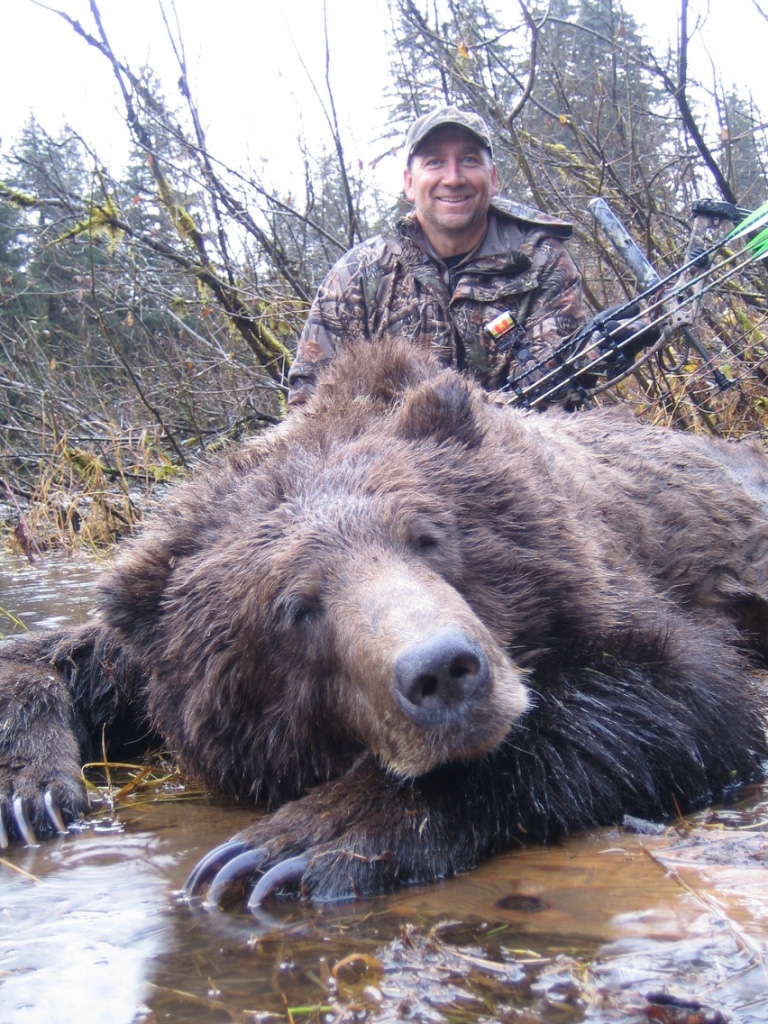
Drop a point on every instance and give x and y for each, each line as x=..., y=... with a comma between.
x=450, y=180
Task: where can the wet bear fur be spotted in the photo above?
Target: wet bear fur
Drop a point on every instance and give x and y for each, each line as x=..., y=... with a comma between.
x=424, y=626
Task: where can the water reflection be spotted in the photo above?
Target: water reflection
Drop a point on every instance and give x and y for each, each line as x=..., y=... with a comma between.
x=79, y=930
x=53, y=592
x=594, y=929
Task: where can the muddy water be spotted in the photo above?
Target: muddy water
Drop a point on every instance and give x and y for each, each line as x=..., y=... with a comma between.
x=606, y=927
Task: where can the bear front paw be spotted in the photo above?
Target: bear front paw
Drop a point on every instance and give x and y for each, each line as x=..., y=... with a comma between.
x=228, y=870
x=29, y=812
x=360, y=835
x=234, y=872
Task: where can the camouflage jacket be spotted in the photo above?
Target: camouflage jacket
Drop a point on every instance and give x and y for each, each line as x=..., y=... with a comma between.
x=395, y=283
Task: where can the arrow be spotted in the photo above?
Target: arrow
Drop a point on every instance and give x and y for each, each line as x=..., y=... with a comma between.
x=556, y=379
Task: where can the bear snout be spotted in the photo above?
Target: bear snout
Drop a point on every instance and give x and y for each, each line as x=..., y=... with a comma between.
x=438, y=678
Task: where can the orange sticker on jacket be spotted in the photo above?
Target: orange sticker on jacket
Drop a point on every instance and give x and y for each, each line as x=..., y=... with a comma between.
x=501, y=324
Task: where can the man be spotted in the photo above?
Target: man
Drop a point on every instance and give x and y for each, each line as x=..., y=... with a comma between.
x=487, y=283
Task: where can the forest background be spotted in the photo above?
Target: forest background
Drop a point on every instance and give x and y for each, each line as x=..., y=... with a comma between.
x=149, y=306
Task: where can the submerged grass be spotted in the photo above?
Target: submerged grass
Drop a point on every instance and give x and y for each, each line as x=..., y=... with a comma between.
x=159, y=779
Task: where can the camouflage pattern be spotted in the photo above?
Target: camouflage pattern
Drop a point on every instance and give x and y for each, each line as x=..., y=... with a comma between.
x=427, y=123
x=395, y=284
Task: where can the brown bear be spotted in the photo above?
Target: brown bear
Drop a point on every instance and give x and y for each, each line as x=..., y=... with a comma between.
x=431, y=626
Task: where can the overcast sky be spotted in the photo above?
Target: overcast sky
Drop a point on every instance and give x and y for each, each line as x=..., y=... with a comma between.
x=246, y=61
x=250, y=64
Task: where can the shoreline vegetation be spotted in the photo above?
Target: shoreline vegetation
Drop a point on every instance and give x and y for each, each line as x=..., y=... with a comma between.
x=149, y=312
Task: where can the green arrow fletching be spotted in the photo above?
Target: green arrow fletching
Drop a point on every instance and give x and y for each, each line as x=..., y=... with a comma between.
x=759, y=244
x=757, y=219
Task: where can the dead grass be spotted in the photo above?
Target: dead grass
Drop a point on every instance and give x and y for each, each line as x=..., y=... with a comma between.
x=86, y=497
x=112, y=783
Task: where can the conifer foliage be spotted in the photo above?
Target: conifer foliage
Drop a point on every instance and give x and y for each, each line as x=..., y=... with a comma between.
x=150, y=311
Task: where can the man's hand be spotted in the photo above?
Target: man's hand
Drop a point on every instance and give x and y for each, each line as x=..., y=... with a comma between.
x=622, y=331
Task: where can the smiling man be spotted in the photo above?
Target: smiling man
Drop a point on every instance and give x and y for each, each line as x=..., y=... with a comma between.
x=485, y=282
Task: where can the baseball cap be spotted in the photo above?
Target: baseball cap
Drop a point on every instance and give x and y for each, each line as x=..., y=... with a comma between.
x=423, y=125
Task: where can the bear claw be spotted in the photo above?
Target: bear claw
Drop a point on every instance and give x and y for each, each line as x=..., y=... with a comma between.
x=210, y=865
x=22, y=822
x=290, y=870
x=225, y=867
x=16, y=814
x=235, y=871
x=53, y=813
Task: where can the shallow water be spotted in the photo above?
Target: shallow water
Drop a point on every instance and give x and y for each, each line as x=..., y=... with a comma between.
x=92, y=929
x=55, y=591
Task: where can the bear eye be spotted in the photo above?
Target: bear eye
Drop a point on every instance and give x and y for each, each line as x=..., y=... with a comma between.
x=301, y=610
x=427, y=535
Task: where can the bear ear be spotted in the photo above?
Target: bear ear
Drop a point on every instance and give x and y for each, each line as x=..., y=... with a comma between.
x=380, y=373
x=442, y=410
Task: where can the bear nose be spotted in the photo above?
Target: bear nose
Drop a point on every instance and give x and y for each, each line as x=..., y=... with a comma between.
x=437, y=678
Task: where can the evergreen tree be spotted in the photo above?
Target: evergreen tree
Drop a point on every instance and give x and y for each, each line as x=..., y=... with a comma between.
x=744, y=148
